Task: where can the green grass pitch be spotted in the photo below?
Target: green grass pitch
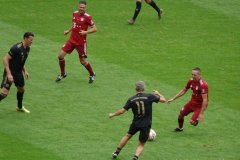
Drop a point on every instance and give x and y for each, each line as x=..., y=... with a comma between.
x=69, y=120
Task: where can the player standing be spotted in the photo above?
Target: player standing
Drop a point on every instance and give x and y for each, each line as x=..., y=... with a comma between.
x=138, y=9
x=79, y=30
x=141, y=105
x=14, y=63
x=198, y=102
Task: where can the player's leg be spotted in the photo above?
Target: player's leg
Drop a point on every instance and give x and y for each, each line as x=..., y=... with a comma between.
x=132, y=130
x=143, y=137
x=61, y=61
x=194, y=119
x=19, y=83
x=82, y=52
x=136, y=12
x=122, y=143
x=154, y=5
x=88, y=67
x=67, y=48
x=183, y=112
x=139, y=150
x=20, y=93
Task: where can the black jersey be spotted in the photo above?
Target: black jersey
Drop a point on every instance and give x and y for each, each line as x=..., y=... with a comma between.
x=141, y=105
x=19, y=56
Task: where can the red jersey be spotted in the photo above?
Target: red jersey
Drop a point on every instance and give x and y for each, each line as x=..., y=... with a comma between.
x=198, y=89
x=79, y=23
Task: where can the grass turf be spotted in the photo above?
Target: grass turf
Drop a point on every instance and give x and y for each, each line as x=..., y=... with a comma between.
x=69, y=120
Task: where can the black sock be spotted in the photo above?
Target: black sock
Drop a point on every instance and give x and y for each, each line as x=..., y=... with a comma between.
x=137, y=10
x=154, y=5
x=118, y=150
x=135, y=157
x=2, y=96
x=19, y=99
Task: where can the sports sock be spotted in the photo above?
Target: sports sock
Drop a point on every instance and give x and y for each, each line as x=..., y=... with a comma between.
x=19, y=99
x=118, y=150
x=154, y=5
x=137, y=10
x=89, y=68
x=180, y=121
x=2, y=96
x=62, y=66
x=135, y=157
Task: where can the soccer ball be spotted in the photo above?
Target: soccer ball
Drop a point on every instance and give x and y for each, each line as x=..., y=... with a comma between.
x=152, y=135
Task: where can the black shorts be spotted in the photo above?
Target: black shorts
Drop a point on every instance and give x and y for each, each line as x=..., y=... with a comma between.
x=18, y=80
x=144, y=132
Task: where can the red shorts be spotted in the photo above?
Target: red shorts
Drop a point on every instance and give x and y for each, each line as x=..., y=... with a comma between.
x=68, y=47
x=191, y=107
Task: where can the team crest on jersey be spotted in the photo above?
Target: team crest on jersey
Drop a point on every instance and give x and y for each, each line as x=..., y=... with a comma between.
x=82, y=19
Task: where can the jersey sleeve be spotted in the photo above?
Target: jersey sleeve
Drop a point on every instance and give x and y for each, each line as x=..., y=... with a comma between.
x=204, y=89
x=154, y=98
x=13, y=51
x=90, y=21
x=127, y=106
x=188, y=84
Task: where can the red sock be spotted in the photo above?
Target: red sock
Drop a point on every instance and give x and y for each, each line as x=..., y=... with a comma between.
x=89, y=68
x=62, y=66
x=180, y=121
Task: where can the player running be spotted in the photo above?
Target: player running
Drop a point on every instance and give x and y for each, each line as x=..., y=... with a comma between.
x=198, y=102
x=15, y=70
x=141, y=105
x=79, y=30
x=138, y=9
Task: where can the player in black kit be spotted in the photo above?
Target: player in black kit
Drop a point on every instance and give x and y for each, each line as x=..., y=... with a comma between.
x=141, y=105
x=138, y=9
x=15, y=69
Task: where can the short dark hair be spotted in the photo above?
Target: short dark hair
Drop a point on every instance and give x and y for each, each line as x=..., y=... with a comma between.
x=82, y=2
x=140, y=86
x=197, y=69
x=28, y=34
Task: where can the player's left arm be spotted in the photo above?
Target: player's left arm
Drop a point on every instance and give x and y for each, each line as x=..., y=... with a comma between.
x=26, y=74
x=205, y=102
x=92, y=29
x=119, y=112
x=204, y=106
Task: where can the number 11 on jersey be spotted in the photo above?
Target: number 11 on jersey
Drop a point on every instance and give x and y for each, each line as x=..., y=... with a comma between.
x=141, y=109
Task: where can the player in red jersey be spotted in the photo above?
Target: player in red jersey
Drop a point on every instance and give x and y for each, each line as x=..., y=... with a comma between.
x=138, y=9
x=198, y=102
x=79, y=30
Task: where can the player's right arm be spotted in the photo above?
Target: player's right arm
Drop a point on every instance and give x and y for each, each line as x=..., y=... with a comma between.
x=119, y=112
x=181, y=93
x=6, y=60
x=67, y=31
